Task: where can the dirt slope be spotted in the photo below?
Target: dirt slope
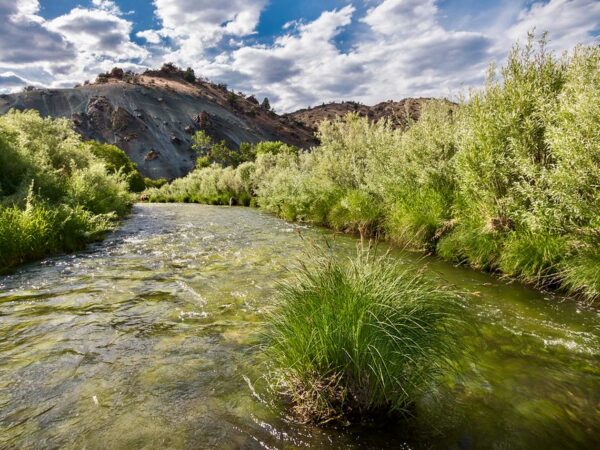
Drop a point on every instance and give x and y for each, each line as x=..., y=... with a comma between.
x=396, y=112
x=152, y=117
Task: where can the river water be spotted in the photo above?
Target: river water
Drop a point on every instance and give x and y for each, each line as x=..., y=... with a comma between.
x=150, y=340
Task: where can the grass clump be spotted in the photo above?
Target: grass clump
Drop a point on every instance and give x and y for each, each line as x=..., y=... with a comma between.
x=358, y=338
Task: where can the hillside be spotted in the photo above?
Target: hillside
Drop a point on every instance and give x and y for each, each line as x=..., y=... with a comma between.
x=153, y=116
x=396, y=111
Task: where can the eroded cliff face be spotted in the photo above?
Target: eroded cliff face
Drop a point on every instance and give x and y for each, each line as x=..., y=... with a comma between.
x=154, y=118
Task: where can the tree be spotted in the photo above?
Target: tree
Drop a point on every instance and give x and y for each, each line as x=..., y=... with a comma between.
x=232, y=99
x=266, y=104
x=117, y=72
x=201, y=142
x=189, y=75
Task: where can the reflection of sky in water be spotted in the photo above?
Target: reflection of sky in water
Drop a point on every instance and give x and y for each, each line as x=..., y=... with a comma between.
x=145, y=340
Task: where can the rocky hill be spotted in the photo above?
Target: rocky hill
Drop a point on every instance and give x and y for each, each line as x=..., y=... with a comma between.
x=396, y=112
x=153, y=116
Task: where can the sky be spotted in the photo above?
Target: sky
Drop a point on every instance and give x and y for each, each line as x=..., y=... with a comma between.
x=297, y=53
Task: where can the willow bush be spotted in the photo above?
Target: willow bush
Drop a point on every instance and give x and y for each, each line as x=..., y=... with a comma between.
x=55, y=194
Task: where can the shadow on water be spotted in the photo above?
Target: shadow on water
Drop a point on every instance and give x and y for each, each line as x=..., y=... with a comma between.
x=146, y=340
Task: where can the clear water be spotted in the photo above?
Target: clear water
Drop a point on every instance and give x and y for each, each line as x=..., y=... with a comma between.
x=149, y=340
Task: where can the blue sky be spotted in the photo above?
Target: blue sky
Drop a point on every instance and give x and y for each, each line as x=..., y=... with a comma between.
x=298, y=53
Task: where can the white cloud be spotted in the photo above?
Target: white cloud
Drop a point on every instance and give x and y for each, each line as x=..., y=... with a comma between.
x=10, y=81
x=98, y=33
x=25, y=40
x=69, y=48
x=107, y=5
x=195, y=25
x=151, y=36
x=397, y=48
x=406, y=52
x=402, y=17
x=568, y=22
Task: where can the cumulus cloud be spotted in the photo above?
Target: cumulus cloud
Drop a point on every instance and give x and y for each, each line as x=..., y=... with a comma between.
x=405, y=50
x=195, y=25
x=292, y=70
x=68, y=48
x=392, y=49
x=151, y=36
x=568, y=22
x=98, y=33
x=402, y=17
x=24, y=38
x=9, y=81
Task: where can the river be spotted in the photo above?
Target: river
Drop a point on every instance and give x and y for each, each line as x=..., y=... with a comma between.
x=150, y=339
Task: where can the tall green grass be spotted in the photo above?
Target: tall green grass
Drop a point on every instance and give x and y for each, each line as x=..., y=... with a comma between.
x=358, y=337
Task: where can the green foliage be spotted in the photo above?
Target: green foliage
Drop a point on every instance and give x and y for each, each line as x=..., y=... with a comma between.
x=416, y=218
x=158, y=183
x=266, y=104
x=219, y=153
x=116, y=161
x=55, y=193
x=581, y=272
x=533, y=257
x=529, y=154
x=356, y=211
x=212, y=185
x=273, y=147
x=417, y=177
x=232, y=99
x=353, y=338
x=189, y=75
x=201, y=142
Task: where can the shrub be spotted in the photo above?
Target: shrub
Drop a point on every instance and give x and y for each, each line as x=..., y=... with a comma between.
x=212, y=185
x=533, y=257
x=356, y=211
x=416, y=218
x=55, y=193
x=266, y=104
x=416, y=177
x=232, y=99
x=356, y=338
x=116, y=161
x=503, y=151
x=189, y=75
x=581, y=272
x=117, y=72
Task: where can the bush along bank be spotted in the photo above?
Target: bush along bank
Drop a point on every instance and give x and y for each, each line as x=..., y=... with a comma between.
x=57, y=193
x=508, y=181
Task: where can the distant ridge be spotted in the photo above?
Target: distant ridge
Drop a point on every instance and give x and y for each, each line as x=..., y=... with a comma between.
x=397, y=112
